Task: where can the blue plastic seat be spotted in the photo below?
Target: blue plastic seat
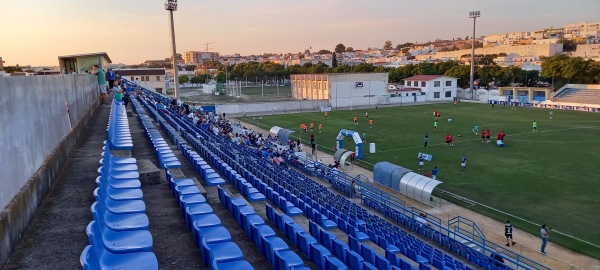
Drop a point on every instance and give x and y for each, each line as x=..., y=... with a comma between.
x=196, y=209
x=123, y=194
x=119, y=222
x=232, y=265
x=318, y=253
x=270, y=245
x=211, y=235
x=287, y=259
x=220, y=252
x=368, y=254
x=260, y=231
x=185, y=200
x=354, y=260
x=304, y=242
x=121, y=241
x=382, y=263
x=247, y=221
x=98, y=258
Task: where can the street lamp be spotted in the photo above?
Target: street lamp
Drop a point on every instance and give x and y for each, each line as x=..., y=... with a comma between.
x=474, y=15
x=171, y=5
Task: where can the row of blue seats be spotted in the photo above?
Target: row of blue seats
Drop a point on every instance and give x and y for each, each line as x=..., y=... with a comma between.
x=163, y=151
x=118, y=234
x=119, y=136
x=307, y=244
x=211, y=177
x=272, y=247
x=217, y=249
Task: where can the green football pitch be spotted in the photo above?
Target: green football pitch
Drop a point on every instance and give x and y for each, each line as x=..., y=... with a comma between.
x=549, y=177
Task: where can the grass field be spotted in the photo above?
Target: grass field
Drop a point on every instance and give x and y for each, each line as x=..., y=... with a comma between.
x=549, y=177
x=268, y=90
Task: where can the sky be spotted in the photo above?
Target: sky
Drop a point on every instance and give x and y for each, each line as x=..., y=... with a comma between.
x=36, y=32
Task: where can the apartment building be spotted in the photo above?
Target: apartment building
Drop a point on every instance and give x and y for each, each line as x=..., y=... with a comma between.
x=197, y=58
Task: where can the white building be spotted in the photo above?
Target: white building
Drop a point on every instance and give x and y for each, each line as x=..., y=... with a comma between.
x=153, y=79
x=433, y=87
x=587, y=51
x=582, y=29
x=342, y=90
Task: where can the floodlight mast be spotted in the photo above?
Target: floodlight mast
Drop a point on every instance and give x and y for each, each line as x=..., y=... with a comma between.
x=474, y=15
x=171, y=5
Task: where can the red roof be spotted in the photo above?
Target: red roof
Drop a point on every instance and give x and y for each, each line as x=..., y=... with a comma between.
x=423, y=78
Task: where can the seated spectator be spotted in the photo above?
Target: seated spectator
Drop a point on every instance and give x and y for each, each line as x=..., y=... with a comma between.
x=355, y=190
x=496, y=258
x=421, y=219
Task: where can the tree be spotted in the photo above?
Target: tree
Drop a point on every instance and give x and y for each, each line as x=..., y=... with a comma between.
x=349, y=49
x=10, y=69
x=221, y=77
x=324, y=51
x=442, y=67
x=197, y=80
x=387, y=45
x=190, y=67
x=334, y=62
x=340, y=48
x=183, y=79
x=462, y=73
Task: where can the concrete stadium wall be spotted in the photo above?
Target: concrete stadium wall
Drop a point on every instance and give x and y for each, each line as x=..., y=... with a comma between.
x=289, y=106
x=42, y=117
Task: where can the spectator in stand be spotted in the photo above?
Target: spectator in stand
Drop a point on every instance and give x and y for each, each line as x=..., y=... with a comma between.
x=110, y=76
x=421, y=219
x=355, y=190
x=99, y=73
x=496, y=258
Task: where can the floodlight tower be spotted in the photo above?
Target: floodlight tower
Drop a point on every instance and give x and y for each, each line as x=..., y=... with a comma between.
x=171, y=5
x=474, y=15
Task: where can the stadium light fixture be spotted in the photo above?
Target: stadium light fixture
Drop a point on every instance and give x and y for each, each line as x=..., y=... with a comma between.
x=474, y=15
x=171, y=5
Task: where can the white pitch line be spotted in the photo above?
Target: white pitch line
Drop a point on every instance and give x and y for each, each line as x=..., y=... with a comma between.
x=556, y=141
x=517, y=134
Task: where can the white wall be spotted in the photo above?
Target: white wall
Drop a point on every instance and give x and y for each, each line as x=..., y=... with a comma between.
x=346, y=94
x=268, y=107
x=53, y=105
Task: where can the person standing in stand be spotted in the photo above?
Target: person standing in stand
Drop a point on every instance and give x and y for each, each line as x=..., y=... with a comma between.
x=110, y=76
x=99, y=73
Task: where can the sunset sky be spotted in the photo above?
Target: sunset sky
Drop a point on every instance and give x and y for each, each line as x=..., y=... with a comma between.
x=35, y=32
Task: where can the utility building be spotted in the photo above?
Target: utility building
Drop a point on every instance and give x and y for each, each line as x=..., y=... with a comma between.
x=342, y=90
